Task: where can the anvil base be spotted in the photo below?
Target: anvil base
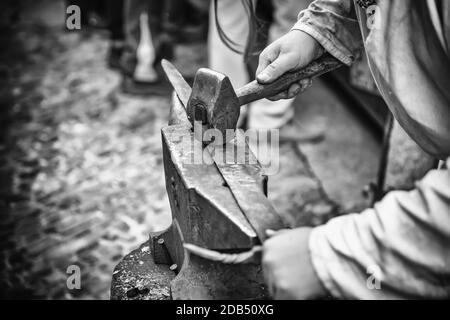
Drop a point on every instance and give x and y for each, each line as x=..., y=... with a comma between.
x=138, y=277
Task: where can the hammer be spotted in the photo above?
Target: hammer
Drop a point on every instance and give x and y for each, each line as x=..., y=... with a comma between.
x=215, y=104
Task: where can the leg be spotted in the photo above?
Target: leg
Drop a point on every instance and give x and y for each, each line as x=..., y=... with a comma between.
x=115, y=26
x=137, y=61
x=176, y=17
x=233, y=21
x=158, y=18
x=133, y=10
x=266, y=114
x=115, y=19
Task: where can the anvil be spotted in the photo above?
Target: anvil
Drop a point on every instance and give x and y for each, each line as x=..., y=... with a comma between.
x=218, y=203
x=205, y=213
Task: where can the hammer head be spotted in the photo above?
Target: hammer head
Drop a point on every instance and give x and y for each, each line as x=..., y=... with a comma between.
x=213, y=105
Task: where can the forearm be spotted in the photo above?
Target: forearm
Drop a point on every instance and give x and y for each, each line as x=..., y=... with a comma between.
x=333, y=24
x=400, y=249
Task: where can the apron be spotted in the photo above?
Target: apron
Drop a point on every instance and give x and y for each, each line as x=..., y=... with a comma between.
x=408, y=58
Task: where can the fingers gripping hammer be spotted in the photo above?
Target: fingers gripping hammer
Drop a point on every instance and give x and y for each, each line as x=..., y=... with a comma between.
x=215, y=104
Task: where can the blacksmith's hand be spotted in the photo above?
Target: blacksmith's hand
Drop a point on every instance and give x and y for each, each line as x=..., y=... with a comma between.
x=293, y=51
x=288, y=271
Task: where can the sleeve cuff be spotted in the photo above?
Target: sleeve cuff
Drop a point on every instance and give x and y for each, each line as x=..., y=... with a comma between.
x=321, y=263
x=326, y=43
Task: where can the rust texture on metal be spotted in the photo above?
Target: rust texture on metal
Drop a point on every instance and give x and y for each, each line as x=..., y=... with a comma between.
x=213, y=102
x=138, y=277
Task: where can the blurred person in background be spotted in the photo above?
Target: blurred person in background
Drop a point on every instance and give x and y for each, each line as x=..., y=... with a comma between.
x=152, y=28
x=146, y=41
x=233, y=42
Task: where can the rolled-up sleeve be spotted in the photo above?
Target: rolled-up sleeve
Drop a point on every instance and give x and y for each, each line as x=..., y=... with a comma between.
x=334, y=25
x=400, y=249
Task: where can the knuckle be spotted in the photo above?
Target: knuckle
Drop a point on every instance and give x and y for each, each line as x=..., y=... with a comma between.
x=267, y=262
x=267, y=246
x=268, y=53
x=268, y=258
x=283, y=290
x=282, y=282
x=262, y=57
x=291, y=60
x=274, y=65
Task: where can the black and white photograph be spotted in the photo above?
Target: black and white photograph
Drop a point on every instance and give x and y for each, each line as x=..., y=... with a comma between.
x=239, y=152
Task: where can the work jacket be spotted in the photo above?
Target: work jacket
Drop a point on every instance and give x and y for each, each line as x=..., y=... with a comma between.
x=401, y=247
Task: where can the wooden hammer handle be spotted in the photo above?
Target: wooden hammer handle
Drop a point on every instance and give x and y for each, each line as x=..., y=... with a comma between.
x=256, y=91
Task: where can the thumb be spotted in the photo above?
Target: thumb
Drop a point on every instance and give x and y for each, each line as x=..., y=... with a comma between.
x=275, y=69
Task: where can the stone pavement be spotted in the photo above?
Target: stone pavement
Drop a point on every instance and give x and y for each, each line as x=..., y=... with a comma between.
x=81, y=177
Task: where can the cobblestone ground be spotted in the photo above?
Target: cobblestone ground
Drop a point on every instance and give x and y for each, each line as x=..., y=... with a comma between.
x=81, y=179
x=81, y=165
